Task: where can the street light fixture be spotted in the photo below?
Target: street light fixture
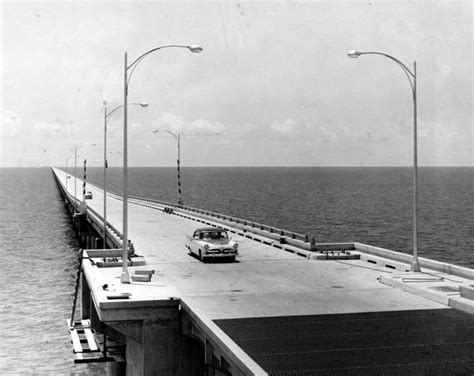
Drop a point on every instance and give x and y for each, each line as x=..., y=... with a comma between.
x=354, y=54
x=125, y=278
x=177, y=138
x=415, y=265
x=106, y=116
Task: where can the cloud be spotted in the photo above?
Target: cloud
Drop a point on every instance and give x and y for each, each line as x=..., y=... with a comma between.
x=44, y=127
x=12, y=125
x=285, y=128
x=57, y=128
x=176, y=123
x=207, y=126
x=172, y=121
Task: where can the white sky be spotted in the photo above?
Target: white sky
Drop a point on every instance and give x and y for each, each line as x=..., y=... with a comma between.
x=273, y=86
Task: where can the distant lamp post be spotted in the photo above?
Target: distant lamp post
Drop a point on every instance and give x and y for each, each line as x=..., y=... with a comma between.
x=415, y=265
x=106, y=116
x=177, y=138
x=76, y=148
x=83, y=203
x=68, y=176
x=125, y=278
x=67, y=172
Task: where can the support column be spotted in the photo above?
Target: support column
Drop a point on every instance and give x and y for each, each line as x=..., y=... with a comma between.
x=153, y=345
x=85, y=298
x=161, y=344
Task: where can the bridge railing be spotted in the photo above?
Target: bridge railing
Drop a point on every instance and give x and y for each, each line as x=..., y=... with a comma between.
x=246, y=225
x=114, y=235
x=113, y=231
x=277, y=232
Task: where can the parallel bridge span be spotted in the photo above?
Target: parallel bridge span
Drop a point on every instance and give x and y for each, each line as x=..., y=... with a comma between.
x=288, y=306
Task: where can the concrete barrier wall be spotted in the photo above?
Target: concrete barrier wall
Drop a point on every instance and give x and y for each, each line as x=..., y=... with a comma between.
x=246, y=228
x=94, y=219
x=235, y=222
x=274, y=235
x=424, y=262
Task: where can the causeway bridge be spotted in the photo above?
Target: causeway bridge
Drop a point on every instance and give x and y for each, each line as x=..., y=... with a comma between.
x=287, y=306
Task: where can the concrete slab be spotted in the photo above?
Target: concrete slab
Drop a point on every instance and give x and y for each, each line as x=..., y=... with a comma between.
x=264, y=281
x=436, y=286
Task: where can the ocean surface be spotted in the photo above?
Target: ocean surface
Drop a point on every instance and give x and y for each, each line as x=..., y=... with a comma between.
x=368, y=205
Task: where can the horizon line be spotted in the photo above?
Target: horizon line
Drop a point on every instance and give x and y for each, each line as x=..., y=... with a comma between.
x=241, y=166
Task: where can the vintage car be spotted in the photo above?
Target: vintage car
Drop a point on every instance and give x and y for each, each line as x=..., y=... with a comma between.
x=211, y=243
x=88, y=195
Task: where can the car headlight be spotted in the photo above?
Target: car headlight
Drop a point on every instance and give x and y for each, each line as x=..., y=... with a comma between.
x=206, y=247
x=235, y=246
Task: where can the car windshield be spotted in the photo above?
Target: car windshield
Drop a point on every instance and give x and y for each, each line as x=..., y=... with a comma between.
x=214, y=235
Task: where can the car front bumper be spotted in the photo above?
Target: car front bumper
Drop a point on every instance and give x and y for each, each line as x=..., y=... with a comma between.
x=219, y=253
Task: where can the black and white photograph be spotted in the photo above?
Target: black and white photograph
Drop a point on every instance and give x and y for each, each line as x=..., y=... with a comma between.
x=229, y=188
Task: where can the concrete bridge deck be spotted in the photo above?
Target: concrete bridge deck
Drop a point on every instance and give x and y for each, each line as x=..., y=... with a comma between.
x=268, y=283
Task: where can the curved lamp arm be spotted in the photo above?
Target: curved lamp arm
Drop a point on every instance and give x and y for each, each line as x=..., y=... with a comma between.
x=133, y=65
x=118, y=107
x=410, y=75
x=165, y=130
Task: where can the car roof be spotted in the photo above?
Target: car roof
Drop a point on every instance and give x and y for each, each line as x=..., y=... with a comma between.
x=210, y=229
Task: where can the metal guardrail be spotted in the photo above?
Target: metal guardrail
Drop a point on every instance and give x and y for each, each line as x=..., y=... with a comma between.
x=244, y=222
x=258, y=227
x=115, y=234
x=99, y=220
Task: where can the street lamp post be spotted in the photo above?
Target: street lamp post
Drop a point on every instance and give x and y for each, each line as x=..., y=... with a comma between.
x=125, y=278
x=67, y=177
x=76, y=148
x=83, y=204
x=415, y=265
x=177, y=138
x=67, y=174
x=106, y=115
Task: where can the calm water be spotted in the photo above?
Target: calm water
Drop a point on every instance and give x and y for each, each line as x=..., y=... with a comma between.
x=37, y=276
x=368, y=205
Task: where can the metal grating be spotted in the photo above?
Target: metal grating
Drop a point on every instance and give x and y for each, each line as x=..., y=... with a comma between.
x=418, y=342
